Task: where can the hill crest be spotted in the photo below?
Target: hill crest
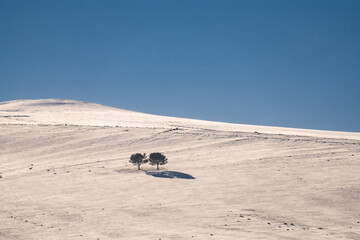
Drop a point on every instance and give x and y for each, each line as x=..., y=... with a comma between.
x=71, y=112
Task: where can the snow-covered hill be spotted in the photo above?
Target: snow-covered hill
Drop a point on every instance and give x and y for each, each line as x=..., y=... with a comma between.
x=57, y=111
x=65, y=175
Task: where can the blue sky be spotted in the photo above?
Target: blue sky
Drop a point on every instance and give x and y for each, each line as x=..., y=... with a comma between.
x=277, y=63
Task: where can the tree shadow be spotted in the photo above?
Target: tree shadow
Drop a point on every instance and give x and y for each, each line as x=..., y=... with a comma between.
x=170, y=174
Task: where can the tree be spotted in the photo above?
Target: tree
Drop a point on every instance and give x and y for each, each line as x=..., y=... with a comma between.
x=157, y=159
x=138, y=159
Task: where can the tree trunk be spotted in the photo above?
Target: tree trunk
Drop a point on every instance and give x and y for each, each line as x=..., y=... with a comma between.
x=138, y=166
x=157, y=166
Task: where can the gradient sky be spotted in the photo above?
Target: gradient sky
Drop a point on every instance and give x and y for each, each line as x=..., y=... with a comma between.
x=277, y=63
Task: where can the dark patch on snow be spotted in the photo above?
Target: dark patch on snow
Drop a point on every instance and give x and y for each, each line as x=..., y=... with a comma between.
x=170, y=174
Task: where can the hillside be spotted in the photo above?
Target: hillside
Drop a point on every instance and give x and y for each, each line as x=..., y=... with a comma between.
x=58, y=111
x=65, y=175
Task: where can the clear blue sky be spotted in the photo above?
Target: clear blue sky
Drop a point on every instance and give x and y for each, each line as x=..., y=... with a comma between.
x=277, y=63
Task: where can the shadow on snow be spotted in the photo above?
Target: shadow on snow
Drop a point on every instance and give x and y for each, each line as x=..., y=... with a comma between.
x=170, y=174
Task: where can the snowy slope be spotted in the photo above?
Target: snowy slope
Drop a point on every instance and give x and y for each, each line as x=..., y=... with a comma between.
x=65, y=175
x=56, y=111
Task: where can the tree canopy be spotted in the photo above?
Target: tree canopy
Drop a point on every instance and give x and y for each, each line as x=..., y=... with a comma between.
x=157, y=159
x=138, y=159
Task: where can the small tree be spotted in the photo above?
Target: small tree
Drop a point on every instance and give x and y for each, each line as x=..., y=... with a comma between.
x=157, y=159
x=138, y=159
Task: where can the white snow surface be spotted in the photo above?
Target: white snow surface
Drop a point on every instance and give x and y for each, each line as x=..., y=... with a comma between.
x=59, y=111
x=65, y=174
